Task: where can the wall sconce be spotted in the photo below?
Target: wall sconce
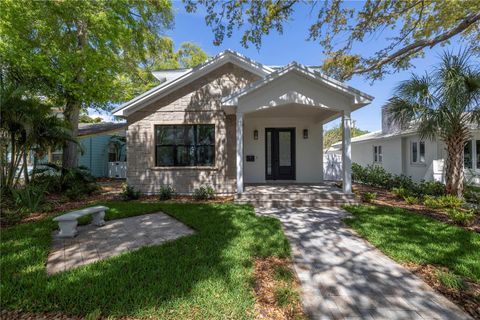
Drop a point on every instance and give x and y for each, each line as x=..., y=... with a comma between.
x=255, y=134
x=305, y=133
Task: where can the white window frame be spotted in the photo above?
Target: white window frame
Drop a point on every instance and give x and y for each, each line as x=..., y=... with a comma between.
x=418, y=161
x=377, y=153
x=475, y=152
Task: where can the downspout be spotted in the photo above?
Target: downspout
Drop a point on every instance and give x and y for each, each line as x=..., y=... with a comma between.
x=91, y=169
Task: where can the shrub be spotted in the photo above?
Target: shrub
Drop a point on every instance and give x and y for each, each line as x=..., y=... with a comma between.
x=129, y=193
x=204, y=193
x=411, y=200
x=450, y=280
x=166, y=193
x=11, y=216
x=461, y=216
x=472, y=194
x=376, y=176
x=29, y=199
x=55, y=179
x=369, y=196
x=401, y=192
x=447, y=201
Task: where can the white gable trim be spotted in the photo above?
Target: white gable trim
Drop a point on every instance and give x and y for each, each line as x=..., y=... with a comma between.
x=168, y=87
x=359, y=98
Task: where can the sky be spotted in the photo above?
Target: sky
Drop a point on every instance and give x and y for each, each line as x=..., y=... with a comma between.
x=292, y=46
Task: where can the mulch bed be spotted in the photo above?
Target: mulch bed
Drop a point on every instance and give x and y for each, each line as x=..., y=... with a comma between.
x=467, y=298
x=386, y=198
x=266, y=306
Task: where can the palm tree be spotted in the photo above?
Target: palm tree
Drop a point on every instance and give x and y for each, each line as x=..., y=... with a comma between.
x=443, y=103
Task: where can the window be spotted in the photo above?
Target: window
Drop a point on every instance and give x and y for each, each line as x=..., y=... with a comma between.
x=478, y=154
x=185, y=145
x=377, y=154
x=418, y=152
x=113, y=154
x=468, y=155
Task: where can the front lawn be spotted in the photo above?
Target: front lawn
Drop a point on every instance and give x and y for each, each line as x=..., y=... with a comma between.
x=207, y=275
x=408, y=237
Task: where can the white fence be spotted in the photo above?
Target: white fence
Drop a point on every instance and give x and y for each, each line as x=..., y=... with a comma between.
x=332, y=166
x=117, y=170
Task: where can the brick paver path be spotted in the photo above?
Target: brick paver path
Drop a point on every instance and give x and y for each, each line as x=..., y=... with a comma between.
x=344, y=277
x=117, y=236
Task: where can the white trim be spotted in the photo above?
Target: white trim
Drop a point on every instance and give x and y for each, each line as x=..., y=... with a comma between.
x=359, y=98
x=239, y=138
x=346, y=153
x=418, y=162
x=168, y=87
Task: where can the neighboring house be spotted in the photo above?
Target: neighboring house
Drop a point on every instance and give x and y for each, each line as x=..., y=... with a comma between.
x=232, y=121
x=102, y=149
x=401, y=151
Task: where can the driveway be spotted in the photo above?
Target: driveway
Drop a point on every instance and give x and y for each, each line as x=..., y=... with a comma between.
x=344, y=277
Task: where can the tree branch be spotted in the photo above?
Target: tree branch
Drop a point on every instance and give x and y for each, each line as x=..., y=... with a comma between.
x=421, y=44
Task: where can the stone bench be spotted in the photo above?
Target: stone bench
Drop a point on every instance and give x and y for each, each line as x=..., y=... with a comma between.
x=68, y=222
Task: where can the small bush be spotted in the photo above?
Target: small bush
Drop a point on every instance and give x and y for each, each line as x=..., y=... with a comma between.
x=472, y=194
x=461, y=216
x=411, y=200
x=448, y=201
x=129, y=193
x=204, y=193
x=11, y=216
x=369, y=196
x=166, y=193
x=450, y=280
x=55, y=179
x=285, y=296
x=432, y=188
x=401, y=192
x=29, y=199
x=283, y=273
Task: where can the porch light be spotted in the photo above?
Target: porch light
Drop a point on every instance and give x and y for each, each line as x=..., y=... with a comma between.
x=255, y=134
x=305, y=133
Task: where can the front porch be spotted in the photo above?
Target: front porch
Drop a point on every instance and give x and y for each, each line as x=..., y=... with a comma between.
x=285, y=195
x=279, y=133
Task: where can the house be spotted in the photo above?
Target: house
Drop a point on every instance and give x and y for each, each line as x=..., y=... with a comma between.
x=232, y=122
x=102, y=149
x=400, y=150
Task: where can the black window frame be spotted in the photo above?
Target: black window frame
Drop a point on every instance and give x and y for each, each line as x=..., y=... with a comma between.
x=194, y=145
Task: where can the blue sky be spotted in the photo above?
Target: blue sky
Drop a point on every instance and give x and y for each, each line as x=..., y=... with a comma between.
x=293, y=46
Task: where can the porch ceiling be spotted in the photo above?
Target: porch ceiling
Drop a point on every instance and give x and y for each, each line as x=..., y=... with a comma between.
x=294, y=111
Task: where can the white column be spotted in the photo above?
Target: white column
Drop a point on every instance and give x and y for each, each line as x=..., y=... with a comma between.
x=346, y=153
x=239, y=152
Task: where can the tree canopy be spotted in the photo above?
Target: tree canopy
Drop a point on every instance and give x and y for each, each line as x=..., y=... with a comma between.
x=89, y=54
x=409, y=27
x=334, y=135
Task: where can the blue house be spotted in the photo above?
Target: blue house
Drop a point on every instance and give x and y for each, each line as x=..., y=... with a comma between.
x=102, y=149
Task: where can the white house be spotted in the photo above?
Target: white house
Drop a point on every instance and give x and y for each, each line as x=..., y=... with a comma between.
x=232, y=122
x=401, y=151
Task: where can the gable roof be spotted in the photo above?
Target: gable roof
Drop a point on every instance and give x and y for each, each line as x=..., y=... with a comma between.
x=90, y=129
x=360, y=98
x=227, y=56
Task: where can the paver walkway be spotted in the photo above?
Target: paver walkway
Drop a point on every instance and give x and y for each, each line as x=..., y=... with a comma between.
x=344, y=277
x=117, y=236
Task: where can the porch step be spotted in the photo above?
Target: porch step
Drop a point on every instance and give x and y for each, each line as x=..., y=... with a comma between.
x=296, y=200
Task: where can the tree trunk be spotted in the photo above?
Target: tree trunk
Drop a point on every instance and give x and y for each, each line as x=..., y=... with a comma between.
x=454, y=167
x=25, y=167
x=70, y=152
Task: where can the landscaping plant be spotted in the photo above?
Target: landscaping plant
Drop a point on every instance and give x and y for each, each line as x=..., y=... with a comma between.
x=461, y=216
x=29, y=198
x=368, y=197
x=166, y=193
x=129, y=193
x=444, y=104
x=204, y=193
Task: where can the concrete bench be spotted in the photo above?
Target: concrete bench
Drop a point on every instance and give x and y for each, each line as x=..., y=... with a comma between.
x=68, y=222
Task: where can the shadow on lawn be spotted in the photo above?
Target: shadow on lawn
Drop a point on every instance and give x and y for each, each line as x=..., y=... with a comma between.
x=207, y=274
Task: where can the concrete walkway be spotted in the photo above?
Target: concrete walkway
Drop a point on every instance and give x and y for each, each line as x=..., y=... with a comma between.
x=344, y=277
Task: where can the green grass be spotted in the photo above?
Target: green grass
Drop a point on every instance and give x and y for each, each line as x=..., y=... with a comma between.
x=285, y=296
x=206, y=276
x=450, y=280
x=283, y=274
x=408, y=237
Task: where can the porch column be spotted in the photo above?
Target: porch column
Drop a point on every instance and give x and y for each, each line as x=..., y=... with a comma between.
x=239, y=152
x=346, y=153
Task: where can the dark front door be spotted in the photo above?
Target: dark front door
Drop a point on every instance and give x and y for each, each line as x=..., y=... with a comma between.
x=280, y=153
